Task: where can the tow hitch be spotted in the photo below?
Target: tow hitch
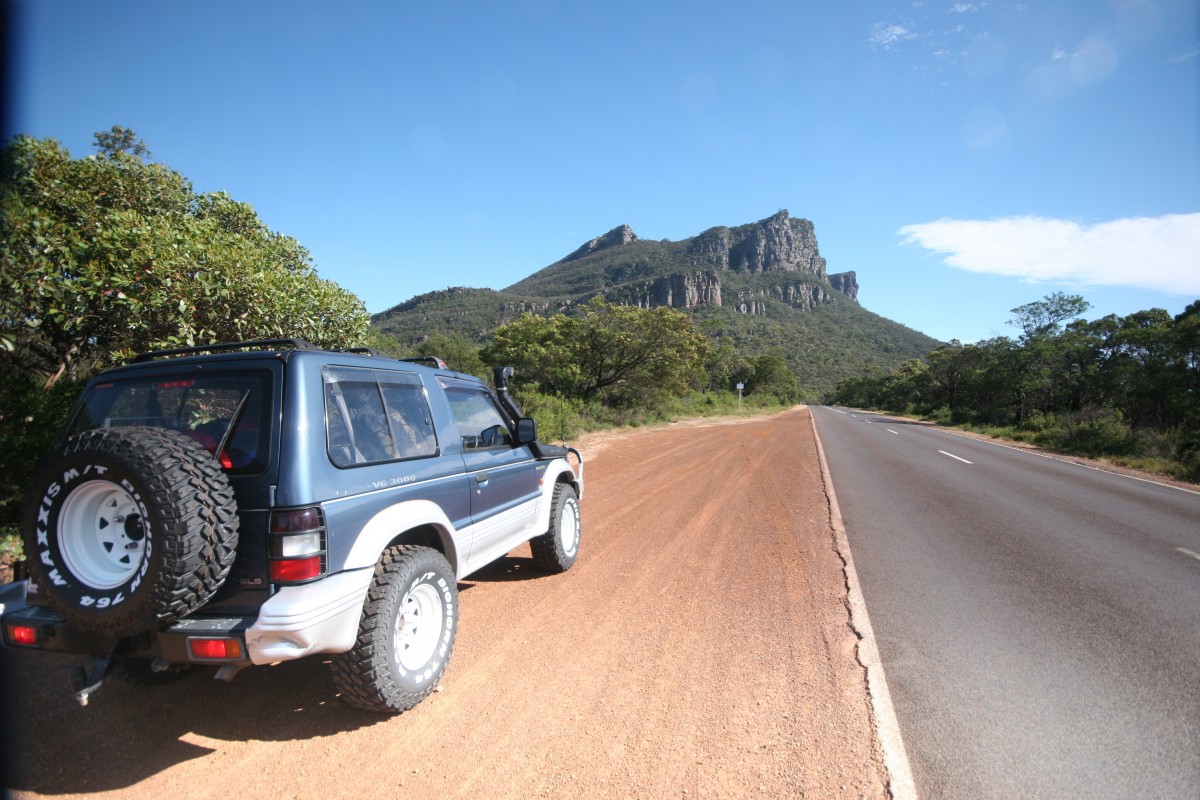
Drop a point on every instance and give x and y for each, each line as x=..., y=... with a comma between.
x=84, y=682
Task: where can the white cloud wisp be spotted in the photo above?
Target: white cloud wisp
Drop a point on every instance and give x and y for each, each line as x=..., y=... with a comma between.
x=1157, y=253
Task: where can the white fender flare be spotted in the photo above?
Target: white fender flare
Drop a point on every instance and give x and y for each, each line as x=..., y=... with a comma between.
x=395, y=520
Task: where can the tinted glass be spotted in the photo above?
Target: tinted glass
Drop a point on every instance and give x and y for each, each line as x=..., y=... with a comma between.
x=479, y=421
x=376, y=415
x=199, y=406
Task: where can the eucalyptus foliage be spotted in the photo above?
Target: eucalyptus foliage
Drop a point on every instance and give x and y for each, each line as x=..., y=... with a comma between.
x=1112, y=386
x=621, y=355
x=108, y=255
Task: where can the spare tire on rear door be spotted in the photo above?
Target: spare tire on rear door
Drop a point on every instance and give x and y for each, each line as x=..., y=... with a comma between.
x=130, y=528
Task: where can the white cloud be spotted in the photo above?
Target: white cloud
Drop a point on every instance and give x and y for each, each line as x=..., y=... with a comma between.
x=1158, y=253
x=885, y=36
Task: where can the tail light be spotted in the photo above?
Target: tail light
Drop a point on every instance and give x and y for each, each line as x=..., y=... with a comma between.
x=17, y=634
x=297, y=546
x=215, y=649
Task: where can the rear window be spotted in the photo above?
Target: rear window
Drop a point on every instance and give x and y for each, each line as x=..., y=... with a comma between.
x=203, y=407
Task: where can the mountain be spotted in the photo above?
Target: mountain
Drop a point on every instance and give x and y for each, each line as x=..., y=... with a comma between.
x=762, y=287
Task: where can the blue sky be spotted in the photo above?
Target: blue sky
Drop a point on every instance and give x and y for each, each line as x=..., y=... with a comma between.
x=963, y=157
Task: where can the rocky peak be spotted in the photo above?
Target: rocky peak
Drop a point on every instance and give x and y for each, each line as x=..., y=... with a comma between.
x=778, y=244
x=622, y=234
x=775, y=244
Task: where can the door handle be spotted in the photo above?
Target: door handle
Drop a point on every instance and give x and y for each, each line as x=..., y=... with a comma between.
x=482, y=479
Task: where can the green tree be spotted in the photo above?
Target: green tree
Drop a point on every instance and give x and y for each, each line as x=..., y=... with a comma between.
x=727, y=367
x=1114, y=386
x=623, y=356
x=109, y=255
x=457, y=351
x=772, y=377
x=105, y=256
x=1044, y=317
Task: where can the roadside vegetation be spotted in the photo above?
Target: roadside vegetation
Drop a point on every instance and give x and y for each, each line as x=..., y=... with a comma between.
x=10, y=551
x=112, y=254
x=109, y=255
x=1123, y=389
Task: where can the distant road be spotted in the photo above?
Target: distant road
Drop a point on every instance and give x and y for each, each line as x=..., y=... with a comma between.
x=1038, y=621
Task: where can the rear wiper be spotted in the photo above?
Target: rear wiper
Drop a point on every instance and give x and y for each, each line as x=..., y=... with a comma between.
x=233, y=421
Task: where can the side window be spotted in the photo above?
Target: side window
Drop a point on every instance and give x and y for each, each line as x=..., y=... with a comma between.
x=408, y=412
x=479, y=421
x=376, y=415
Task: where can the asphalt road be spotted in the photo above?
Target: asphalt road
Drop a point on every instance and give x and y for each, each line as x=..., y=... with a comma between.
x=1038, y=621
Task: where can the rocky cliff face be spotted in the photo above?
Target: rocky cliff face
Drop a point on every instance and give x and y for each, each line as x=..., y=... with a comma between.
x=804, y=296
x=686, y=290
x=689, y=290
x=846, y=283
x=778, y=244
x=775, y=244
x=745, y=267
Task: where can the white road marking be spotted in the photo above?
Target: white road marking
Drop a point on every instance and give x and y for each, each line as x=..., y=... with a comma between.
x=1054, y=457
x=1065, y=460
x=1187, y=552
x=889, y=430
x=956, y=458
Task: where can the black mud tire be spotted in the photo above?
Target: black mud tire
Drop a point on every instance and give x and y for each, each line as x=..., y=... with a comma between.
x=129, y=529
x=406, y=633
x=556, y=549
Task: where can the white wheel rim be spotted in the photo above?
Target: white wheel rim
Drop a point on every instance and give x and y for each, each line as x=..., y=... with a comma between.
x=568, y=528
x=418, y=627
x=101, y=534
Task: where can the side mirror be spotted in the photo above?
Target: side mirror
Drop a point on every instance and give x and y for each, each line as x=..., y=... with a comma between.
x=526, y=431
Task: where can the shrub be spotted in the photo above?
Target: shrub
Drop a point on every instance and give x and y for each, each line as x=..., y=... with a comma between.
x=940, y=415
x=1092, y=432
x=30, y=418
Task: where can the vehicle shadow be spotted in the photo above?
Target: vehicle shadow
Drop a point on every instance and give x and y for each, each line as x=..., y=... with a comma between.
x=52, y=745
x=509, y=568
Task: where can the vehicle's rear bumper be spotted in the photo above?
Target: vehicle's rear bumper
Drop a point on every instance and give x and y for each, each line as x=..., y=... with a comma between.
x=171, y=644
x=320, y=617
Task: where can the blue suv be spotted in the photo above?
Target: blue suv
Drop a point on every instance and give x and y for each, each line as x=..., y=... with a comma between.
x=256, y=502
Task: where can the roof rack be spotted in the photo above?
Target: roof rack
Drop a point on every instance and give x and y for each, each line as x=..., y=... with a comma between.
x=432, y=361
x=257, y=344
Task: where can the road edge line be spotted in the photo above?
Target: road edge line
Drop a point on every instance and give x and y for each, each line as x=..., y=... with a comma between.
x=887, y=727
